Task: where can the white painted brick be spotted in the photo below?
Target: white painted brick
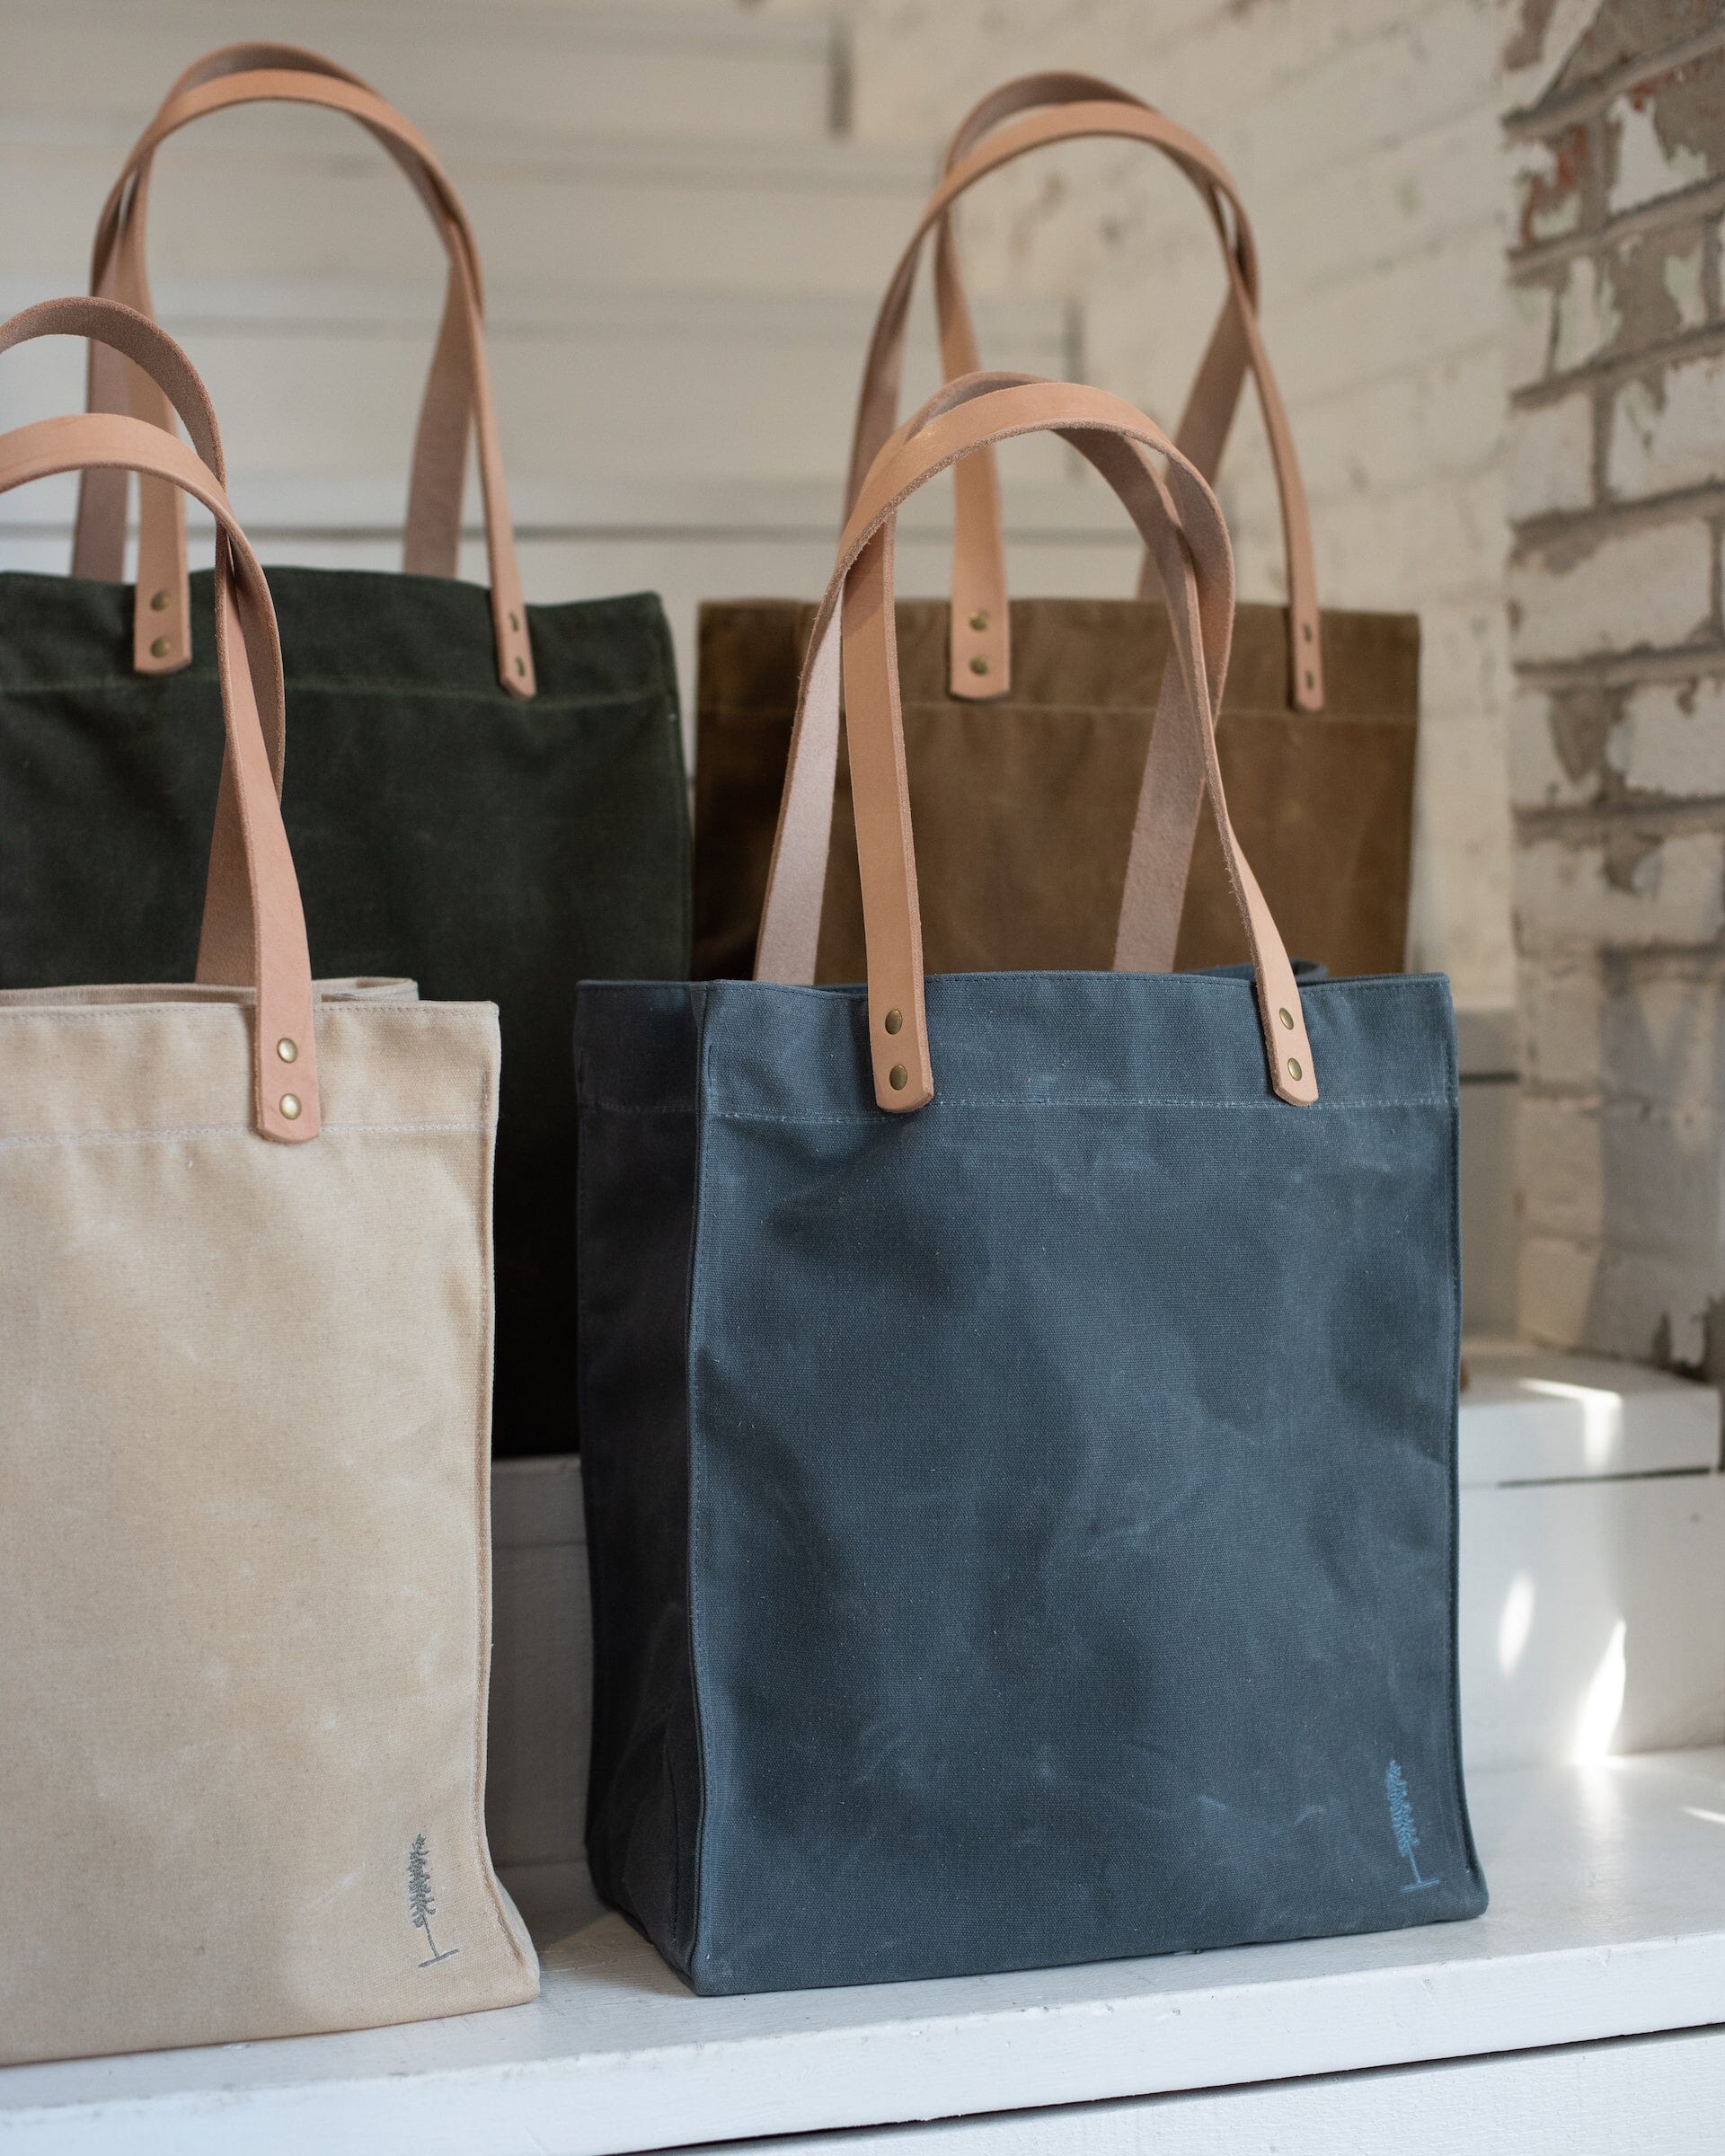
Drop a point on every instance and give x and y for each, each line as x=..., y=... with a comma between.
x=1670, y=740
x=1550, y=458
x=1646, y=169
x=1562, y=1004
x=1588, y=317
x=1622, y=1171
x=1550, y=766
x=1669, y=432
x=1662, y=1040
x=1542, y=178
x=1638, y=1304
x=1530, y=332
x=1646, y=588
x=1646, y=891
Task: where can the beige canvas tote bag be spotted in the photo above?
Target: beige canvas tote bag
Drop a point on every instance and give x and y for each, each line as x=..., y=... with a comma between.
x=245, y=1313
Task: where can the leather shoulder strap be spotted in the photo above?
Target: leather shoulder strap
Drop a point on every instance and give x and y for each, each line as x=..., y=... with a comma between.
x=458, y=401
x=1182, y=523
x=1014, y=121
x=264, y=934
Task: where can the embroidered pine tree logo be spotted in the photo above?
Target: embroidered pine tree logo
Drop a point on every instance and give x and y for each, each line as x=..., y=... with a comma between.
x=1407, y=1835
x=420, y=1901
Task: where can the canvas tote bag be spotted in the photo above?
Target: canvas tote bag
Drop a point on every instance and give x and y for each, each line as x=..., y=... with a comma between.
x=1025, y=725
x=1020, y=1407
x=246, y=1328
x=489, y=797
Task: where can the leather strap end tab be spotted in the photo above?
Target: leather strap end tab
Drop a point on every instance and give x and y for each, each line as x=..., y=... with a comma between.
x=904, y=1076
x=1293, y=1076
x=273, y=1120
x=1306, y=660
x=981, y=667
x=160, y=642
x=161, y=601
x=515, y=667
x=980, y=647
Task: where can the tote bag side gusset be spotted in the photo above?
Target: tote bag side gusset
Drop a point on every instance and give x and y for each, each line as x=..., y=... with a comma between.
x=637, y=1053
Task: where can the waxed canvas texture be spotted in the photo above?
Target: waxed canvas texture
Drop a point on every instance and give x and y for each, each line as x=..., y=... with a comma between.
x=1024, y=806
x=1023, y=1531
x=244, y=1549
x=486, y=848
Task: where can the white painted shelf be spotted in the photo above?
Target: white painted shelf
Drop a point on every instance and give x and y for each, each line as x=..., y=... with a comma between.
x=1607, y=1921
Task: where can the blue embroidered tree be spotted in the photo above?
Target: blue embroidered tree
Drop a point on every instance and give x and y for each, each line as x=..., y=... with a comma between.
x=1407, y=1835
x=421, y=1904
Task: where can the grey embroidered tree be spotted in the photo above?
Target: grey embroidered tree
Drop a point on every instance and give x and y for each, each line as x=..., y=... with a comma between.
x=1401, y=1825
x=422, y=1903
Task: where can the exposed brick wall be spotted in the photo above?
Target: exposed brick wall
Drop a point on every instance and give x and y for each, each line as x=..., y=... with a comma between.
x=1366, y=137
x=1618, y=491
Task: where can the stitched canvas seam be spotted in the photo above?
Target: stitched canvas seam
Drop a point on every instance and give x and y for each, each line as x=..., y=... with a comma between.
x=233, y=1130
x=1334, y=1107
x=484, y=1349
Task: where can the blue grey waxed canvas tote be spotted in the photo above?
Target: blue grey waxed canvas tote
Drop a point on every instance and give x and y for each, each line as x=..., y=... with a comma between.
x=1019, y=1408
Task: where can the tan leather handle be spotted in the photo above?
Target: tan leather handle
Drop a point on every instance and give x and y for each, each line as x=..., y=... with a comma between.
x=1182, y=526
x=1062, y=108
x=261, y=943
x=458, y=401
x=1164, y=831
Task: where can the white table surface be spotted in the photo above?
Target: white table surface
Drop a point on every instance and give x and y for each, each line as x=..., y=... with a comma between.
x=1607, y=1919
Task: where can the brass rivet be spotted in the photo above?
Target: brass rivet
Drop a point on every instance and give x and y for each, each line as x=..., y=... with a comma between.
x=1311, y=678
x=521, y=666
x=288, y=1050
x=158, y=602
x=290, y=1107
x=1306, y=631
x=160, y=648
x=897, y=1077
x=978, y=665
x=894, y=1020
x=978, y=621
x=1287, y=1018
x=515, y=623
x=1294, y=1070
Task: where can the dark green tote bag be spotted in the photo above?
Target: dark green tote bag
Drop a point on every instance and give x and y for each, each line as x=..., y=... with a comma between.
x=1019, y=1407
x=485, y=796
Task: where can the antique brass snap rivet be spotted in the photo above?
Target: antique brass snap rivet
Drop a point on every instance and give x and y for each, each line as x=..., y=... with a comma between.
x=158, y=602
x=290, y=1107
x=515, y=623
x=1294, y=1070
x=978, y=665
x=160, y=648
x=894, y=1020
x=287, y=1050
x=897, y=1077
x=1311, y=678
x=1287, y=1018
x=521, y=666
x=978, y=621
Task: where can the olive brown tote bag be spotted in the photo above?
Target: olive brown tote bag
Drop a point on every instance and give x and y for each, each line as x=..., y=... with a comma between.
x=488, y=796
x=1020, y=1407
x=245, y=1333
x=1025, y=724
